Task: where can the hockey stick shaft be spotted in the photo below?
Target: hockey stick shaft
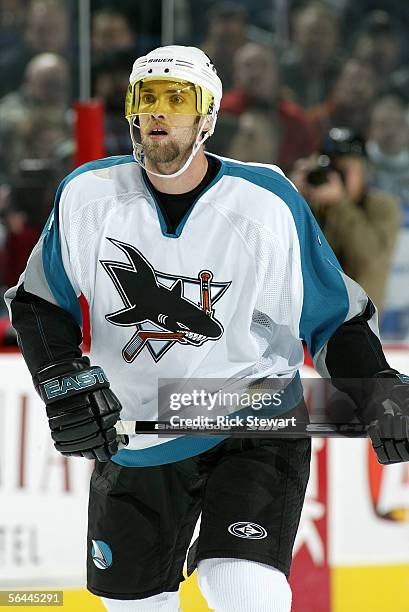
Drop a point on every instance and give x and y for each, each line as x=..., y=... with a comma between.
x=205, y=277
x=322, y=430
x=140, y=338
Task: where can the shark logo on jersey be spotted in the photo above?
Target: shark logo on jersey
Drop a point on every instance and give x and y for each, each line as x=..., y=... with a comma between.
x=165, y=309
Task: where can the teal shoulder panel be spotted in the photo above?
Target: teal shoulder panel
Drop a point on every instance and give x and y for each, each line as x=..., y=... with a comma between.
x=55, y=273
x=325, y=300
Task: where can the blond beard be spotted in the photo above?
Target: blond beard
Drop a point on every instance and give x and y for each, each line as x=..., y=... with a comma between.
x=172, y=152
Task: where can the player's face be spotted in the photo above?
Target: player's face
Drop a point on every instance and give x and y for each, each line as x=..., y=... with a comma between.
x=168, y=120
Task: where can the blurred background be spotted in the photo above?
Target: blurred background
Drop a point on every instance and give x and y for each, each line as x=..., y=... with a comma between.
x=320, y=89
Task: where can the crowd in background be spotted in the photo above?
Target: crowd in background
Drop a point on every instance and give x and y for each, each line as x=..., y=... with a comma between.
x=320, y=89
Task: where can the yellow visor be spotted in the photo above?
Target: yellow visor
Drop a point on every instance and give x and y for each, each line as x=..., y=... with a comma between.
x=167, y=96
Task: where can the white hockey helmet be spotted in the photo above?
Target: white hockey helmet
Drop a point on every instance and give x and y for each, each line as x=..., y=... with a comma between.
x=181, y=64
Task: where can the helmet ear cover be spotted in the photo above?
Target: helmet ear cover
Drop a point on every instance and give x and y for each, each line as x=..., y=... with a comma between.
x=204, y=98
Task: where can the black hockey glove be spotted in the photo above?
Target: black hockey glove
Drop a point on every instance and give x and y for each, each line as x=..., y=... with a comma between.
x=385, y=414
x=81, y=408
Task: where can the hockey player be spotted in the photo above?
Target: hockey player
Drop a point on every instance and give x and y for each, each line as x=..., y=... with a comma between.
x=139, y=236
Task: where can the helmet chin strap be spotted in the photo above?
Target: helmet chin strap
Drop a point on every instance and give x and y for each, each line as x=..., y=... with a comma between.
x=139, y=155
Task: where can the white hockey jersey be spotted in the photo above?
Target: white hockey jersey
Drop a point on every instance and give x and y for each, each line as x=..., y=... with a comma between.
x=245, y=278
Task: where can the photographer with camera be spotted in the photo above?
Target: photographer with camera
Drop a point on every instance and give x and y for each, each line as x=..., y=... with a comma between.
x=359, y=222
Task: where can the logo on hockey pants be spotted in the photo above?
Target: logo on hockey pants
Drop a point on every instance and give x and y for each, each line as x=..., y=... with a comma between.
x=101, y=554
x=250, y=531
x=163, y=309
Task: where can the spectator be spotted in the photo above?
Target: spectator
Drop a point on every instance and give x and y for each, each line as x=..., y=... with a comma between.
x=18, y=238
x=111, y=79
x=226, y=33
x=359, y=222
x=111, y=31
x=46, y=31
x=20, y=241
x=379, y=43
x=357, y=13
x=45, y=90
x=143, y=18
x=11, y=23
x=311, y=65
x=28, y=207
x=351, y=99
x=388, y=151
x=44, y=136
x=268, y=128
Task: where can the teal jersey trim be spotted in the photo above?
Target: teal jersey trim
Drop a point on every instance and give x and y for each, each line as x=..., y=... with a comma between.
x=325, y=300
x=168, y=452
x=55, y=273
x=182, y=223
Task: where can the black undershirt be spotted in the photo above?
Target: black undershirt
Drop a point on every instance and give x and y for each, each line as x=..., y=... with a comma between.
x=174, y=206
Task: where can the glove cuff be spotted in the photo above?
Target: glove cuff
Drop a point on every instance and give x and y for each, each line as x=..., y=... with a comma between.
x=65, y=379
